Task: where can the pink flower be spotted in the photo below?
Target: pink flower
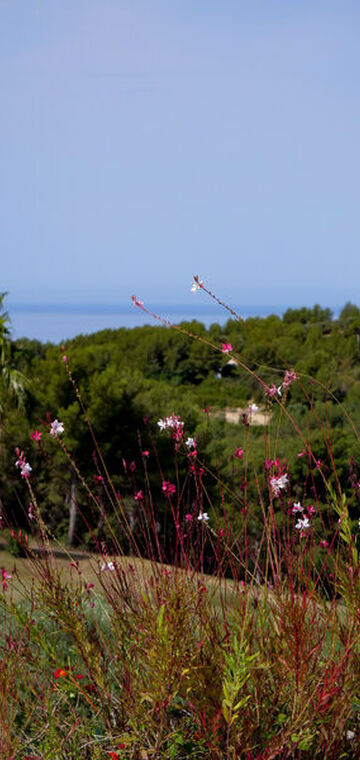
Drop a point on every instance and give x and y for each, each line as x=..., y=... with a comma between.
x=273, y=391
x=168, y=487
x=226, y=348
x=171, y=423
x=188, y=517
x=145, y=453
x=203, y=517
x=239, y=453
x=98, y=478
x=25, y=468
x=139, y=496
x=290, y=377
x=107, y=566
x=311, y=509
x=31, y=511
x=136, y=302
x=324, y=543
x=196, y=285
x=279, y=483
x=302, y=524
x=56, y=428
x=36, y=435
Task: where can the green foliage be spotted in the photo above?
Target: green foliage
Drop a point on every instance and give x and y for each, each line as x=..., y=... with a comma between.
x=125, y=376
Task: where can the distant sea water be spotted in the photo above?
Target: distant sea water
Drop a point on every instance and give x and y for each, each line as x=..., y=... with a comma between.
x=56, y=323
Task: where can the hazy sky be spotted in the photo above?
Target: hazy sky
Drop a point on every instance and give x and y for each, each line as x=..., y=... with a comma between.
x=143, y=141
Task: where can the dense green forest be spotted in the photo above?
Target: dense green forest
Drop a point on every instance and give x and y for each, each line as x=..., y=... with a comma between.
x=129, y=378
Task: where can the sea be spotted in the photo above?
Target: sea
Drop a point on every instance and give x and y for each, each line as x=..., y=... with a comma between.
x=56, y=323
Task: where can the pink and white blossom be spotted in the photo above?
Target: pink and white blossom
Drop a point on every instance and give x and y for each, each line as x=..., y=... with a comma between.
x=171, y=423
x=273, y=391
x=168, y=488
x=56, y=428
x=279, y=483
x=289, y=377
x=196, y=285
x=23, y=465
x=203, y=517
x=303, y=523
x=107, y=566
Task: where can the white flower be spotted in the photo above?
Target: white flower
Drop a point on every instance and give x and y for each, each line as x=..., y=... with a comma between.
x=56, y=428
x=196, y=286
x=350, y=735
x=297, y=508
x=278, y=483
x=279, y=390
x=173, y=423
x=107, y=566
x=190, y=443
x=203, y=517
x=253, y=409
x=303, y=523
x=25, y=469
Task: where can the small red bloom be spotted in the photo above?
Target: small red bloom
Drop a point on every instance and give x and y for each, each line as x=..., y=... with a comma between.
x=226, y=348
x=36, y=435
x=60, y=673
x=168, y=488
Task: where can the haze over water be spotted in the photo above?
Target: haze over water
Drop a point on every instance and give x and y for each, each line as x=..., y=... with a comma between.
x=58, y=322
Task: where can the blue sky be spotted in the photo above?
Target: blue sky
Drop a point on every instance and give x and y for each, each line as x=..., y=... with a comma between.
x=144, y=141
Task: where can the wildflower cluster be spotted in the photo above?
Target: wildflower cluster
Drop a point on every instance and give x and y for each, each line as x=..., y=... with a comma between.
x=168, y=488
x=272, y=391
x=22, y=464
x=173, y=423
x=4, y=577
x=303, y=522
